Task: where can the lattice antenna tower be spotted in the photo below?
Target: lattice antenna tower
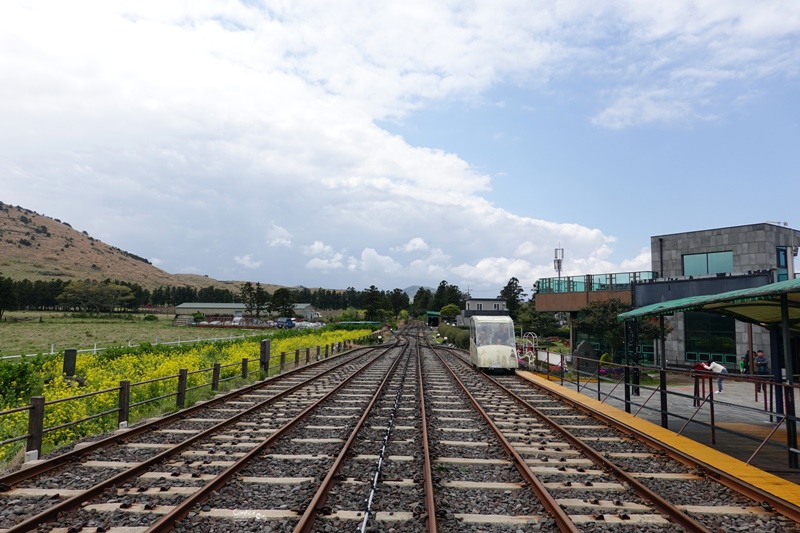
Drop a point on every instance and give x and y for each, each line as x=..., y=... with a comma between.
x=558, y=262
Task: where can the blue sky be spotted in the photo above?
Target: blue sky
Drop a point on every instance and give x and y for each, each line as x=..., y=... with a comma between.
x=396, y=144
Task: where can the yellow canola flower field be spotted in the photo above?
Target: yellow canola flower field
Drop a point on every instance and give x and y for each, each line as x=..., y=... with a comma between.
x=99, y=374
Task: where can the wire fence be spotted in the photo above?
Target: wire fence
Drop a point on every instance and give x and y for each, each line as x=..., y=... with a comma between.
x=95, y=349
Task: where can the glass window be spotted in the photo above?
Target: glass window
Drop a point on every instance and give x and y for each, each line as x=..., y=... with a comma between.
x=782, y=262
x=720, y=262
x=710, y=263
x=709, y=333
x=480, y=307
x=695, y=265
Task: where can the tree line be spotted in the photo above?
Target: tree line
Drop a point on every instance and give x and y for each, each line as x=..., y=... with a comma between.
x=598, y=319
x=110, y=295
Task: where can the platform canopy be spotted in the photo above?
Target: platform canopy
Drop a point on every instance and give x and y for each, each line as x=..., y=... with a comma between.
x=760, y=305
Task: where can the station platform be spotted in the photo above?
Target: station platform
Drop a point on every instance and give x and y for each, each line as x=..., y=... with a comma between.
x=735, y=409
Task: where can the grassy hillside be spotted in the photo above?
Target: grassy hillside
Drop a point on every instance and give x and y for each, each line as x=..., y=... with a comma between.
x=38, y=247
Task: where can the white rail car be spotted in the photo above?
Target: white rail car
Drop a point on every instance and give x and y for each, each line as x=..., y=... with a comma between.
x=492, y=343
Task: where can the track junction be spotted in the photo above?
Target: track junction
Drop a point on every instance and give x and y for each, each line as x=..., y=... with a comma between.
x=405, y=436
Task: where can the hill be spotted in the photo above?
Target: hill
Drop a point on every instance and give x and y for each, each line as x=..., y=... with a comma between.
x=37, y=247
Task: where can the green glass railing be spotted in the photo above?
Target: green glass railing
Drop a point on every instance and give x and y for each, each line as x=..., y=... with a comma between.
x=593, y=282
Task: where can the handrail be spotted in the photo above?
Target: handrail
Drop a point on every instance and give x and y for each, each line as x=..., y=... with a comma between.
x=715, y=411
x=36, y=409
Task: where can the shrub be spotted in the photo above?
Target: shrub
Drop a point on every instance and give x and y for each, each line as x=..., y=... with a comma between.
x=457, y=336
x=150, y=318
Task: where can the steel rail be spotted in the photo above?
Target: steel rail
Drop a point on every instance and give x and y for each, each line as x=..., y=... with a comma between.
x=552, y=506
x=308, y=517
x=427, y=469
x=75, y=501
x=167, y=521
x=47, y=465
x=382, y=457
x=779, y=505
x=663, y=505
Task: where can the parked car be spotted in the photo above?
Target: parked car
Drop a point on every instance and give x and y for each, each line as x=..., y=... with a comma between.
x=284, y=322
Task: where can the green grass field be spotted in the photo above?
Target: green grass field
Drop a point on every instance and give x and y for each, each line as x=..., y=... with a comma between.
x=26, y=332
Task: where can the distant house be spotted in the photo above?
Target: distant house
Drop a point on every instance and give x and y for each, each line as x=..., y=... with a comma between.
x=481, y=306
x=307, y=311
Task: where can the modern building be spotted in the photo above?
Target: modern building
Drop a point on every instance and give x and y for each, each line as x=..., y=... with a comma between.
x=691, y=264
x=710, y=262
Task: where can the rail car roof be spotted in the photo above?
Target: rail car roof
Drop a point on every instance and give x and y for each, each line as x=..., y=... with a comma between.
x=491, y=318
x=759, y=305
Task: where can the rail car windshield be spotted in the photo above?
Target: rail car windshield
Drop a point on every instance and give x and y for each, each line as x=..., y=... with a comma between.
x=493, y=333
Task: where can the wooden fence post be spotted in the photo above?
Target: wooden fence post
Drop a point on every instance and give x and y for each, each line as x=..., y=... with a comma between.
x=180, y=399
x=70, y=358
x=124, y=403
x=297, y=357
x=317, y=353
x=283, y=362
x=244, y=367
x=308, y=355
x=215, y=377
x=326, y=351
x=264, y=356
x=35, y=428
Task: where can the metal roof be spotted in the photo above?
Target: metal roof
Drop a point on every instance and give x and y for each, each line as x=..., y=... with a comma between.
x=760, y=305
x=205, y=305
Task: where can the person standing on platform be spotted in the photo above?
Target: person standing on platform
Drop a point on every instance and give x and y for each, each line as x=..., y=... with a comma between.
x=744, y=365
x=717, y=369
x=761, y=368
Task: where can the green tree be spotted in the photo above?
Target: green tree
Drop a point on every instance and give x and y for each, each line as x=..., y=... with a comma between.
x=422, y=299
x=93, y=296
x=399, y=301
x=260, y=299
x=248, y=295
x=372, y=303
x=8, y=296
x=447, y=294
x=450, y=311
x=350, y=314
x=599, y=320
x=541, y=323
x=282, y=302
x=514, y=295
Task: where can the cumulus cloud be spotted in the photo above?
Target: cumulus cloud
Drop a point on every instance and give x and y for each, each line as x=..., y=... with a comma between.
x=318, y=248
x=234, y=123
x=278, y=236
x=641, y=263
x=246, y=261
x=333, y=262
x=372, y=262
x=414, y=245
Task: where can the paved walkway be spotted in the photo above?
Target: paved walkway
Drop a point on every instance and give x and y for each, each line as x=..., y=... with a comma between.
x=738, y=409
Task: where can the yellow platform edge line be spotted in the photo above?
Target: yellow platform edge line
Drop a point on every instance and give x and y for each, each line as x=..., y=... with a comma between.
x=770, y=483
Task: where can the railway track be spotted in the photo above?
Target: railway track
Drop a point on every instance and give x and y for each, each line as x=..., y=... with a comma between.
x=402, y=437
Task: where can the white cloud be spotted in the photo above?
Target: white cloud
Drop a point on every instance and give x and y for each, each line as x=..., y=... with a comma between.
x=414, y=245
x=278, y=236
x=376, y=264
x=232, y=123
x=334, y=262
x=633, y=107
x=317, y=248
x=641, y=263
x=246, y=261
